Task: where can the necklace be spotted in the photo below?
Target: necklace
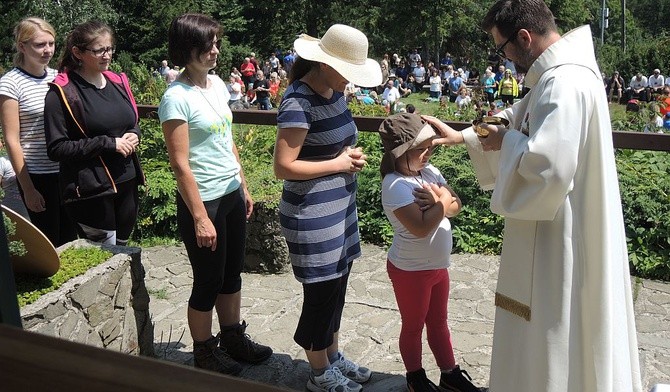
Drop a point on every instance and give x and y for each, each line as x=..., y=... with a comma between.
x=186, y=73
x=218, y=101
x=418, y=176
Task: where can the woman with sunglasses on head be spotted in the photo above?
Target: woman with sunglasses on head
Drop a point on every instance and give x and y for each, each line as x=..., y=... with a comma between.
x=22, y=92
x=508, y=88
x=91, y=125
x=213, y=202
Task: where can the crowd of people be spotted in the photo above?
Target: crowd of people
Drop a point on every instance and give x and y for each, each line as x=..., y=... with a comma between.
x=654, y=91
x=564, y=284
x=444, y=82
x=257, y=83
x=251, y=83
x=640, y=87
x=401, y=76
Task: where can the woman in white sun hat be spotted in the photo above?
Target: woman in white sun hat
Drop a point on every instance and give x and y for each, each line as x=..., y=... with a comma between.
x=316, y=158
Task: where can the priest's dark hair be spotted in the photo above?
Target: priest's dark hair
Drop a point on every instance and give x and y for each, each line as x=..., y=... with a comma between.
x=509, y=16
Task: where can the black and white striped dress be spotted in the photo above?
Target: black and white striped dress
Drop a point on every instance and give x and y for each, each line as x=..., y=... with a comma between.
x=318, y=216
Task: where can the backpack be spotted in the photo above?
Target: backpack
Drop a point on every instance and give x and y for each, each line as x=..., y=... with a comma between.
x=633, y=106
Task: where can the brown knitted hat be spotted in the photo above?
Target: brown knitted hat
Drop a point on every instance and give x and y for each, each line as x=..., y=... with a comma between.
x=400, y=133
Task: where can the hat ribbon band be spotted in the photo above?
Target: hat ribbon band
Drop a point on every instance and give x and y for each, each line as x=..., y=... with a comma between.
x=329, y=53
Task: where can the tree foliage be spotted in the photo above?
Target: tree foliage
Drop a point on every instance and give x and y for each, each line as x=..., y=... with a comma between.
x=392, y=26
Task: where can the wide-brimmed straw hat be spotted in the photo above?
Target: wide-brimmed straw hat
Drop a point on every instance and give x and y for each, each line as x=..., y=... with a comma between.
x=400, y=133
x=346, y=50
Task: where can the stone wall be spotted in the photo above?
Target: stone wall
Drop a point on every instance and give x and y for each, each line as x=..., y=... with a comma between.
x=106, y=307
x=266, y=250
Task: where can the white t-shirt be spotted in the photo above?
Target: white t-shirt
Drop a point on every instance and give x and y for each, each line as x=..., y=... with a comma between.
x=391, y=94
x=408, y=252
x=235, y=90
x=12, y=197
x=463, y=100
x=642, y=83
x=435, y=83
x=419, y=74
x=656, y=81
x=414, y=59
x=29, y=91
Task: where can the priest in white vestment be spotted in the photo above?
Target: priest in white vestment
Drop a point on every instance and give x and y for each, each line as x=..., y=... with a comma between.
x=564, y=312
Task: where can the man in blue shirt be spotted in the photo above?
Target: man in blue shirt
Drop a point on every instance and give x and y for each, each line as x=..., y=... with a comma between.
x=289, y=59
x=446, y=60
x=455, y=83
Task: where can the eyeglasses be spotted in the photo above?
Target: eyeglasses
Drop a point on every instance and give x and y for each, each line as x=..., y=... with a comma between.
x=102, y=51
x=500, y=51
x=216, y=43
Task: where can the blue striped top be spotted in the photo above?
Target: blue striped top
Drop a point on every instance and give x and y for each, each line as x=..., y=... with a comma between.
x=318, y=217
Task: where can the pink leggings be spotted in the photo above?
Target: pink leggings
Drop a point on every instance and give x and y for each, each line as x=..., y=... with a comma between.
x=422, y=298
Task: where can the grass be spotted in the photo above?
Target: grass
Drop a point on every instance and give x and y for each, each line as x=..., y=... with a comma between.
x=159, y=293
x=419, y=102
x=73, y=262
x=154, y=241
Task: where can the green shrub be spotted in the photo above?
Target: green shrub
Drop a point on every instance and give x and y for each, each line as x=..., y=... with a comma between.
x=73, y=262
x=15, y=247
x=255, y=144
x=147, y=88
x=645, y=195
x=158, y=211
x=360, y=109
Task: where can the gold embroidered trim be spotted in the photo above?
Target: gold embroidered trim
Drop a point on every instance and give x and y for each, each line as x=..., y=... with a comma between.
x=513, y=306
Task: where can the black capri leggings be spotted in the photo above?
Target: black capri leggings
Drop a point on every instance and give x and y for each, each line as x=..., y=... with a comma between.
x=215, y=272
x=54, y=221
x=322, y=307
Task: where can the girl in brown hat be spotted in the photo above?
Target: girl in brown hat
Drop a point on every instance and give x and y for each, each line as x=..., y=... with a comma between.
x=418, y=203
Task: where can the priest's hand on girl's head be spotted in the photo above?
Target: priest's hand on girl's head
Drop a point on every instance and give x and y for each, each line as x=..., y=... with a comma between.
x=446, y=134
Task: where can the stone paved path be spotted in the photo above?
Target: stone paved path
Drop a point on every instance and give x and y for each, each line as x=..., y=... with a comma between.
x=370, y=326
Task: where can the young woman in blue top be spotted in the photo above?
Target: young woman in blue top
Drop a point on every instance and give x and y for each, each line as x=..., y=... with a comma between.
x=213, y=202
x=315, y=156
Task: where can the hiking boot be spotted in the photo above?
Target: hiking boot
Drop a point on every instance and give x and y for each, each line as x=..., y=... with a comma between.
x=240, y=346
x=418, y=382
x=332, y=380
x=351, y=370
x=207, y=355
x=456, y=381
